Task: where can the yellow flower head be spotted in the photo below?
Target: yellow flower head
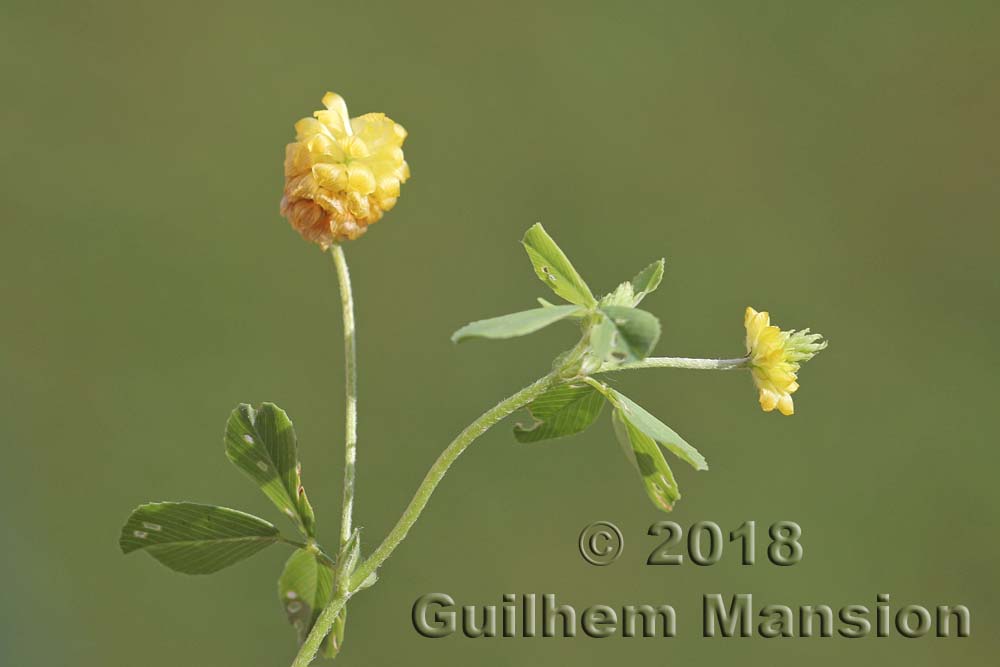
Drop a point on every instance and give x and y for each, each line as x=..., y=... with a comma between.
x=342, y=173
x=774, y=359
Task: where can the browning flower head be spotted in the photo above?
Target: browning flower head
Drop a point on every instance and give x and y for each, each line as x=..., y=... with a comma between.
x=342, y=173
x=774, y=359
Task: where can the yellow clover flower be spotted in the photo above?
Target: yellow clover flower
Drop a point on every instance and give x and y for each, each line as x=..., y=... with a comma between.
x=342, y=173
x=774, y=359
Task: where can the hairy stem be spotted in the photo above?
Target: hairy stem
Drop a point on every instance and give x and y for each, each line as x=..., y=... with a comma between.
x=468, y=435
x=350, y=391
x=681, y=362
x=350, y=417
x=326, y=618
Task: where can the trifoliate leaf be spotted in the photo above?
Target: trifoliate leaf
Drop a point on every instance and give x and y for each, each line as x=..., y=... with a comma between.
x=193, y=538
x=515, y=324
x=647, y=281
x=262, y=444
x=561, y=411
x=554, y=269
x=645, y=454
x=657, y=430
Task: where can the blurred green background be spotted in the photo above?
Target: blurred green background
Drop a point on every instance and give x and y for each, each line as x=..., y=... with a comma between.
x=835, y=163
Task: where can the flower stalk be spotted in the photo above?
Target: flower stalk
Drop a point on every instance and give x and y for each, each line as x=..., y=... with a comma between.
x=680, y=362
x=350, y=390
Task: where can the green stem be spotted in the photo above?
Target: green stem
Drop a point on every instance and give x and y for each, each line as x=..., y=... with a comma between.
x=350, y=391
x=681, y=362
x=326, y=619
x=468, y=435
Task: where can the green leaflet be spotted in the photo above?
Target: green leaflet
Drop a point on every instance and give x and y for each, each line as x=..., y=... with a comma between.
x=625, y=335
x=554, y=269
x=515, y=324
x=193, y=538
x=304, y=589
x=647, y=281
x=657, y=430
x=623, y=295
x=631, y=293
x=561, y=411
x=262, y=444
x=645, y=454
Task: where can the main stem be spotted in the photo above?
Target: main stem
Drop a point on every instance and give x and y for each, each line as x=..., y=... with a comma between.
x=326, y=619
x=350, y=391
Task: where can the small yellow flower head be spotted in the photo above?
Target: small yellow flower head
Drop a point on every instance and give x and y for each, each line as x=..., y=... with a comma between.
x=774, y=359
x=342, y=173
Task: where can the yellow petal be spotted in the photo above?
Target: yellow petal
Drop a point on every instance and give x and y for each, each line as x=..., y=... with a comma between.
x=355, y=148
x=388, y=186
x=357, y=204
x=386, y=203
x=307, y=128
x=331, y=176
x=768, y=400
x=333, y=204
x=303, y=186
x=335, y=117
x=297, y=160
x=327, y=146
x=786, y=406
x=360, y=178
x=378, y=130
